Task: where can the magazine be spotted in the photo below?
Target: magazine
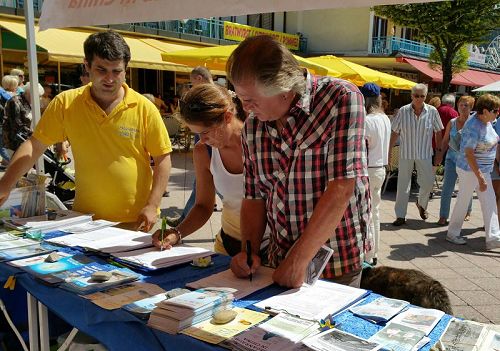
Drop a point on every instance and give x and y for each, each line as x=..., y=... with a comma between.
x=143, y=308
x=379, y=310
x=24, y=262
x=23, y=252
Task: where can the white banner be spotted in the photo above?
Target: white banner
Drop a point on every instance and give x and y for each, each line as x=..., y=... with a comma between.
x=74, y=13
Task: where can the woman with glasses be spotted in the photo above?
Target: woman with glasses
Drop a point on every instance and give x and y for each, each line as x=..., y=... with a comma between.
x=451, y=146
x=217, y=117
x=478, y=151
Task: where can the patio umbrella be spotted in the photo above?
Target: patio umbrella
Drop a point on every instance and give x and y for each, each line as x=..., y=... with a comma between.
x=490, y=87
x=360, y=75
x=215, y=58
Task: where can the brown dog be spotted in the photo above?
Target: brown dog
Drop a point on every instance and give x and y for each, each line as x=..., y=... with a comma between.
x=407, y=284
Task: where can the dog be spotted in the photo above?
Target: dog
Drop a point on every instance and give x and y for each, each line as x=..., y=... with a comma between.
x=410, y=285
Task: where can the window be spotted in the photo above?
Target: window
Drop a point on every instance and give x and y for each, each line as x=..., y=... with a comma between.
x=379, y=27
x=261, y=20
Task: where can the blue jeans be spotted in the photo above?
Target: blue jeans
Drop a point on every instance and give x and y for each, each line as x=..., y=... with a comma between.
x=450, y=179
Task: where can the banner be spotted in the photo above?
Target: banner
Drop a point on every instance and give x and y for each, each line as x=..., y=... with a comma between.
x=239, y=32
x=74, y=13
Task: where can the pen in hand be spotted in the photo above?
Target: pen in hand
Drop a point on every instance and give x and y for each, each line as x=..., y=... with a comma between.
x=163, y=228
x=249, y=257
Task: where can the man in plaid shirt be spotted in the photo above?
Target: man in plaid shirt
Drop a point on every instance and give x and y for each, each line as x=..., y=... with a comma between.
x=305, y=165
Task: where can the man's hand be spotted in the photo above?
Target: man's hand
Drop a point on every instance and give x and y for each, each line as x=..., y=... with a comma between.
x=438, y=159
x=147, y=218
x=240, y=267
x=291, y=272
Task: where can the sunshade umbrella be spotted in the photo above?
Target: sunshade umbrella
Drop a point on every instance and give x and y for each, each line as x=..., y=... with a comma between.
x=215, y=58
x=490, y=87
x=360, y=75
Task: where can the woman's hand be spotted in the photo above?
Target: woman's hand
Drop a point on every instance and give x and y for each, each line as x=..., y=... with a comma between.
x=170, y=238
x=482, y=183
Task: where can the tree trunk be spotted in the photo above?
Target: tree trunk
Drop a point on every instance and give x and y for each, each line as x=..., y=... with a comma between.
x=446, y=67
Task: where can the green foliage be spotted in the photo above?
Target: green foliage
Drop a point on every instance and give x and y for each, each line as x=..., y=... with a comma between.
x=447, y=25
x=459, y=61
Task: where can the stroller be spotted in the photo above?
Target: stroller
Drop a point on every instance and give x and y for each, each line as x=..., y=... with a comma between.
x=63, y=182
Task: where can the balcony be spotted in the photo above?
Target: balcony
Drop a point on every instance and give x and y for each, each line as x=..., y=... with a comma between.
x=390, y=45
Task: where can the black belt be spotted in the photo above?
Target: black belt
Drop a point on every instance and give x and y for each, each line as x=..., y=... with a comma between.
x=231, y=245
x=377, y=167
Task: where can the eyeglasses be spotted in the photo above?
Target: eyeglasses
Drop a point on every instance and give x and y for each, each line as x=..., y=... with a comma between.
x=419, y=96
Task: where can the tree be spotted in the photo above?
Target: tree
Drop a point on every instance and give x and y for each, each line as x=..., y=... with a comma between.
x=448, y=26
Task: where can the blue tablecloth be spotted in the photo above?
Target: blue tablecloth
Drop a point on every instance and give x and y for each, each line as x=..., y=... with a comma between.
x=119, y=330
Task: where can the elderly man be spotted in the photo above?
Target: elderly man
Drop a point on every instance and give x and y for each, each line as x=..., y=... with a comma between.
x=305, y=165
x=415, y=124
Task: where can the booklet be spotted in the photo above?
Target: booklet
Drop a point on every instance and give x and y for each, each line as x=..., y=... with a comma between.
x=470, y=336
x=120, y=296
x=61, y=218
x=398, y=337
x=143, y=308
x=39, y=269
x=336, y=340
x=19, y=242
x=314, y=301
x=379, y=310
x=213, y=333
x=25, y=262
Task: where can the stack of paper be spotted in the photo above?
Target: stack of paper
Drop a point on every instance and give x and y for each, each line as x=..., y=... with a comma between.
x=13, y=247
x=468, y=335
x=62, y=218
x=182, y=311
x=243, y=286
x=314, y=302
x=107, y=240
x=152, y=258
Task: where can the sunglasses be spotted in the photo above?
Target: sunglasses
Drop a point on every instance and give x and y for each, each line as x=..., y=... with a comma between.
x=198, y=106
x=419, y=96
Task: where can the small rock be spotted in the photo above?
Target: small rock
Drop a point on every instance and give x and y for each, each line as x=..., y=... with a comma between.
x=101, y=276
x=224, y=316
x=53, y=257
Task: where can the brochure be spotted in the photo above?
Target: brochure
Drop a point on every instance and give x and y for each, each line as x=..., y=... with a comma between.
x=120, y=296
x=23, y=252
x=143, y=308
x=423, y=319
x=24, y=262
x=318, y=264
x=379, y=310
x=213, y=333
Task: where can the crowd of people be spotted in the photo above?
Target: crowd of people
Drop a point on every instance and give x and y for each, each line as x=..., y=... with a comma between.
x=299, y=160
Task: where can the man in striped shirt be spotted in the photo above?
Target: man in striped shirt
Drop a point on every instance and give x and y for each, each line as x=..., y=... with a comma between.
x=415, y=125
x=305, y=165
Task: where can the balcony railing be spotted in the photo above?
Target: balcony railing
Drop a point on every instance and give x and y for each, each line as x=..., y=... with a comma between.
x=210, y=28
x=388, y=45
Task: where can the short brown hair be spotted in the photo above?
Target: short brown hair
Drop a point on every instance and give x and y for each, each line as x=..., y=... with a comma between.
x=206, y=104
x=269, y=63
x=488, y=102
x=108, y=45
x=468, y=99
x=202, y=72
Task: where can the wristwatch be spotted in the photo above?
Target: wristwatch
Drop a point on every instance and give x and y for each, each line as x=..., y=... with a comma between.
x=178, y=235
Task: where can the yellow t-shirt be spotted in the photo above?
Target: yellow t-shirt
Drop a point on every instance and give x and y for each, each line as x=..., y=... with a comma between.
x=111, y=152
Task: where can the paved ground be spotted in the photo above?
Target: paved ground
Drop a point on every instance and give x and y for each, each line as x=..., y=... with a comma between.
x=470, y=274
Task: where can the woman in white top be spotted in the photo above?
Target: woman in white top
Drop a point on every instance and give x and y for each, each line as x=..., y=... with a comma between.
x=378, y=134
x=217, y=117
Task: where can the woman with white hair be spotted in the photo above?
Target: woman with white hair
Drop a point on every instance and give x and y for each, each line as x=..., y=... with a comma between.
x=18, y=117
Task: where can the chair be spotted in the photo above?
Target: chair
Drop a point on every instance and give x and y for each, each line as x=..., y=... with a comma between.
x=393, y=172
x=179, y=134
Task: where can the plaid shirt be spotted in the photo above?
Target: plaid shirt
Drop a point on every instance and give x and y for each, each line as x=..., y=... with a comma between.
x=323, y=140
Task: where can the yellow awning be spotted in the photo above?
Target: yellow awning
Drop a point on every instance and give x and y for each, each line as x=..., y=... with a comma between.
x=360, y=75
x=215, y=58
x=66, y=45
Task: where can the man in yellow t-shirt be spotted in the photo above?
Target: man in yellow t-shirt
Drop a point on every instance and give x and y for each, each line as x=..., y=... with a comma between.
x=113, y=131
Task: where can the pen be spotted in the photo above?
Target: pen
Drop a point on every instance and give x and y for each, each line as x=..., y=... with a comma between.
x=249, y=257
x=163, y=228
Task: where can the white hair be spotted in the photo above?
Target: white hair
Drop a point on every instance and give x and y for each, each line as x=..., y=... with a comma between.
x=419, y=87
x=27, y=87
x=448, y=99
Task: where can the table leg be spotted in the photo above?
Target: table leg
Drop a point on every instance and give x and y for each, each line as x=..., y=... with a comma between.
x=43, y=320
x=32, y=322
